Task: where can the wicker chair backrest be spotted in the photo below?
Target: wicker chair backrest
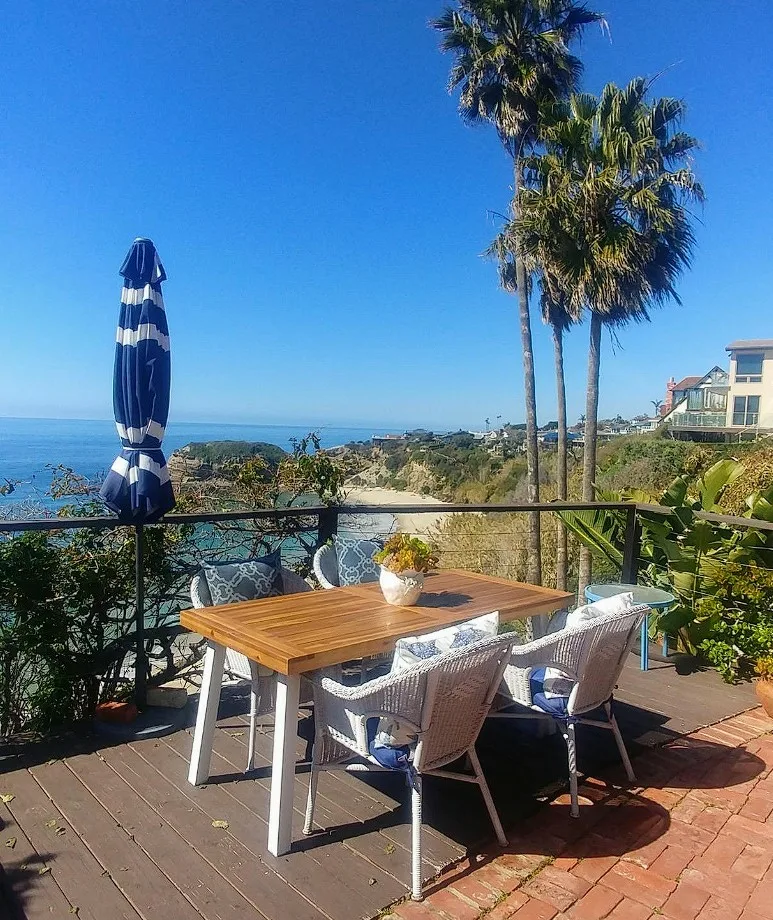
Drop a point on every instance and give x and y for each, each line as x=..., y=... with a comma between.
x=236, y=663
x=601, y=651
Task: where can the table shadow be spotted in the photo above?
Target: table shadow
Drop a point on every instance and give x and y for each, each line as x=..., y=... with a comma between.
x=443, y=599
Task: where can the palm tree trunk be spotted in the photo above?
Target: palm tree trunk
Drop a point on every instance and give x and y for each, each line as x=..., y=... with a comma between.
x=591, y=427
x=562, y=549
x=530, y=397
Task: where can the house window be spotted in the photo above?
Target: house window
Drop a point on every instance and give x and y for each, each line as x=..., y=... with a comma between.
x=746, y=410
x=695, y=399
x=748, y=368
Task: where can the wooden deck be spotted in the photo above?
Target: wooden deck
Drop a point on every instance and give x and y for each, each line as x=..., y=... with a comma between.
x=116, y=833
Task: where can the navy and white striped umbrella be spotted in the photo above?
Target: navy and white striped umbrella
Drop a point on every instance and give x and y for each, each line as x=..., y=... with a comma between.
x=137, y=487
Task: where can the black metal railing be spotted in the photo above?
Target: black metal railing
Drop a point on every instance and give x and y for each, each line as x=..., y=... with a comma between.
x=323, y=521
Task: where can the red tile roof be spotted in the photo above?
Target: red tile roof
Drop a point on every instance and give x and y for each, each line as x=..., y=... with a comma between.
x=688, y=382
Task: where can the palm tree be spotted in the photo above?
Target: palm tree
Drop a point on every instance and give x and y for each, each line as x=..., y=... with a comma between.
x=559, y=318
x=512, y=62
x=604, y=211
x=558, y=315
x=657, y=403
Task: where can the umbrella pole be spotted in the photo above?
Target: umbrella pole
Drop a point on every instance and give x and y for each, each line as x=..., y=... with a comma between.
x=140, y=688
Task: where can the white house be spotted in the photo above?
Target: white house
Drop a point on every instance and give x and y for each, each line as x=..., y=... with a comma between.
x=721, y=404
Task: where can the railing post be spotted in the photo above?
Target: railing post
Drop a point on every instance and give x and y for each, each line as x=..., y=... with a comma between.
x=328, y=525
x=631, y=546
x=140, y=658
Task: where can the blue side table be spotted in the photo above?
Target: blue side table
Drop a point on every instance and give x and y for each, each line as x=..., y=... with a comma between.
x=655, y=598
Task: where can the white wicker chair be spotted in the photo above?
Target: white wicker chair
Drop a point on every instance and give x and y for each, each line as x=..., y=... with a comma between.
x=262, y=679
x=326, y=566
x=444, y=701
x=591, y=655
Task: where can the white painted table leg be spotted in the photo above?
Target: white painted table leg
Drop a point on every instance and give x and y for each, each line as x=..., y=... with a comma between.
x=206, y=716
x=280, y=819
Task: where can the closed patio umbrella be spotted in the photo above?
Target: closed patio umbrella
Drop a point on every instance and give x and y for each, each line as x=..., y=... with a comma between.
x=137, y=487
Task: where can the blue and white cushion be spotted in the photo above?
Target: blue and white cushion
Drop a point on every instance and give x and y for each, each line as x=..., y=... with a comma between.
x=231, y=582
x=273, y=559
x=412, y=650
x=354, y=559
x=556, y=684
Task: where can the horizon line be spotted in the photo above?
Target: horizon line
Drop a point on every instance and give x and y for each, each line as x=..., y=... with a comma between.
x=311, y=426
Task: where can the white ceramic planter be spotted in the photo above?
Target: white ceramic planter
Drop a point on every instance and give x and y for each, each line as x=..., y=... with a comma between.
x=401, y=589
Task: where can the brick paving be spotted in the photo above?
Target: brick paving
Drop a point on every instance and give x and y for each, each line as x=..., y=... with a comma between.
x=695, y=841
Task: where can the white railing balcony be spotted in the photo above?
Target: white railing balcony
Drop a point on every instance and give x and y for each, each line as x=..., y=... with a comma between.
x=699, y=420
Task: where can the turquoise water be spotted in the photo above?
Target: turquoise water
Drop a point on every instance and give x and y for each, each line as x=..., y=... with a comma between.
x=28, y=445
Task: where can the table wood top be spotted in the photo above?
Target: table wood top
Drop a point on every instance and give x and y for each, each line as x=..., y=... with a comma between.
x=294, y=633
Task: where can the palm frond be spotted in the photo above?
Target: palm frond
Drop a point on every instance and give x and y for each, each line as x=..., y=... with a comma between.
x=603, y=220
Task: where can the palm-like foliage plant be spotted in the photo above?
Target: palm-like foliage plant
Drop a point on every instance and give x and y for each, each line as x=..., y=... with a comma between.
x=512, y=62
x=604, y=215
x=681, y=550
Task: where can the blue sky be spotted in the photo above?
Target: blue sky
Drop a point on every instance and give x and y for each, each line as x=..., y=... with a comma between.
x=320, y=208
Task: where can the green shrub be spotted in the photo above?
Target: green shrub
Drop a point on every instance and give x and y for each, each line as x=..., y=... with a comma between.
x=67, y=597
x=739, y=620
x=67, y=617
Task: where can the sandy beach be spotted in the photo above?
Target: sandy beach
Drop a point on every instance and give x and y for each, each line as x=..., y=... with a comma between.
x=408, y=523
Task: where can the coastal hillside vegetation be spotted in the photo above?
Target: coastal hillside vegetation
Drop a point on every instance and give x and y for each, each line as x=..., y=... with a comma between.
x=218, y=452
x=459, y=468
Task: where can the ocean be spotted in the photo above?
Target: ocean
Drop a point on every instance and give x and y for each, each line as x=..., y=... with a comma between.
x=29, y=445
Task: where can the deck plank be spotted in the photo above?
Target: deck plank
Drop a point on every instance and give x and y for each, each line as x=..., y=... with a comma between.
x=350, y=799
x=364, y=797
x=131, y=811
x=83, y=880
x=334, y=818
x=345, y=884
x=186, y=846
x=29, y=889
x=110, y=833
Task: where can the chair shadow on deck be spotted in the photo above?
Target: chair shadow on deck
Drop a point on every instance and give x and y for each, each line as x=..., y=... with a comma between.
x=527, y=773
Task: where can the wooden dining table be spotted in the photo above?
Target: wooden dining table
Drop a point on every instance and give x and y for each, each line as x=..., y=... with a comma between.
x=297, y=633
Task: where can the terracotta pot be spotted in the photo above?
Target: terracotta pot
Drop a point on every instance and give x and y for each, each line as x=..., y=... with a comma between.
x=401, y=588
x=764, y=689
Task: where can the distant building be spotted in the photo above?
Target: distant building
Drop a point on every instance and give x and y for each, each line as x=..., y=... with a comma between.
x=641, y=425
x=725, y=405
x=388, y=438
x=551, y=437
x=675, y=392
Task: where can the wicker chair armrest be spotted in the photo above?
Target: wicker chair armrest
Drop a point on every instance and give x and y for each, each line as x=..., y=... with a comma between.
x=359, y=697
x=324, y=561
x=561, y=649
x=342, y=713
x=196, y=599
x=516, y=680
x=560, y=654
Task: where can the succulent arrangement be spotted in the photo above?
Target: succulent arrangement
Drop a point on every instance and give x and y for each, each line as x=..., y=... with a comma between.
x=402, y=553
